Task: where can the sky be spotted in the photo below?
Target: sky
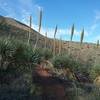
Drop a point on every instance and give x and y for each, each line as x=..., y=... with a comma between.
x=63, y=13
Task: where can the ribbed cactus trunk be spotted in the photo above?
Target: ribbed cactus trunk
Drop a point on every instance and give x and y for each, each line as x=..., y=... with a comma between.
x=39, y=30
x=29, y=33
x=54, y=45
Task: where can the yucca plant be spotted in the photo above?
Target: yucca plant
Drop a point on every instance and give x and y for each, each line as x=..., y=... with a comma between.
x=54, y=49
x=60, y=45
x=40, y=20
x=45, y=39
x=39, y=30
x=72, y=32
x=6, y=50
x=97, y=43
x=29, y=34
x=82, y=36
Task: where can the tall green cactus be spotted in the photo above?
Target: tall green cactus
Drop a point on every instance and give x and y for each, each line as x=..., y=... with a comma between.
x=82, y=36
x=72, y=33
x=30, y=25
x=54, y=49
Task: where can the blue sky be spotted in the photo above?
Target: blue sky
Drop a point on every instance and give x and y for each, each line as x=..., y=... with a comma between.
x=83, y=13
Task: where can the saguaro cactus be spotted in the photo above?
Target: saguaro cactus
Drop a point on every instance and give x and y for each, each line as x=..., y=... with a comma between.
x=54, y=50
x=30, y=25
x=72, y=33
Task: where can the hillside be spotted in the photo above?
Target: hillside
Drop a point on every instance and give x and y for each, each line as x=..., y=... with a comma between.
x=13, y=28
x=27, y=74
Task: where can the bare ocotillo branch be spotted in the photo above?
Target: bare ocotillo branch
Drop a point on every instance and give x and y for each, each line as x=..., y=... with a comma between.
x=54, y=41
x=30, y=25
x=72, y=32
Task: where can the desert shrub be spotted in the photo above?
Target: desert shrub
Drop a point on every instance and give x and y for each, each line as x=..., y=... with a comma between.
x=65, y=61
x=46, y=53
x=16, y=58
x=95, y=71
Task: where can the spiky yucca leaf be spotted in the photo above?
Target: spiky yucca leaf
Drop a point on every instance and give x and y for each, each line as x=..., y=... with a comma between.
x=40, y=20
x=54, y=50
x=82, y=36
x=97, y=43
x=72, y=32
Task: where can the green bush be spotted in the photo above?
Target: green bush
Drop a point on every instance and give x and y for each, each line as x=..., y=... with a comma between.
x=16, y=58
x=65, y=61
x=95, y=71
x=47, y=54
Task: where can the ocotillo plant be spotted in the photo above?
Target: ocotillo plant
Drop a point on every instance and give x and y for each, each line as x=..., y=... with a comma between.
x=97, y=43
x=30, y=25
x=45, y=39
x=54, y=50
x=72, y=33
x=82, y=36
x=40, y=24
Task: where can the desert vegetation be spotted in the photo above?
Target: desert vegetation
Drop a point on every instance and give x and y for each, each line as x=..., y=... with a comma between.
x=53, y=71
x=18, y=61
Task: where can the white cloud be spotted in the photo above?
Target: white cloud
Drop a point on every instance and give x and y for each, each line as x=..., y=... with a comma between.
x=95, y=23
x=97, y=15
